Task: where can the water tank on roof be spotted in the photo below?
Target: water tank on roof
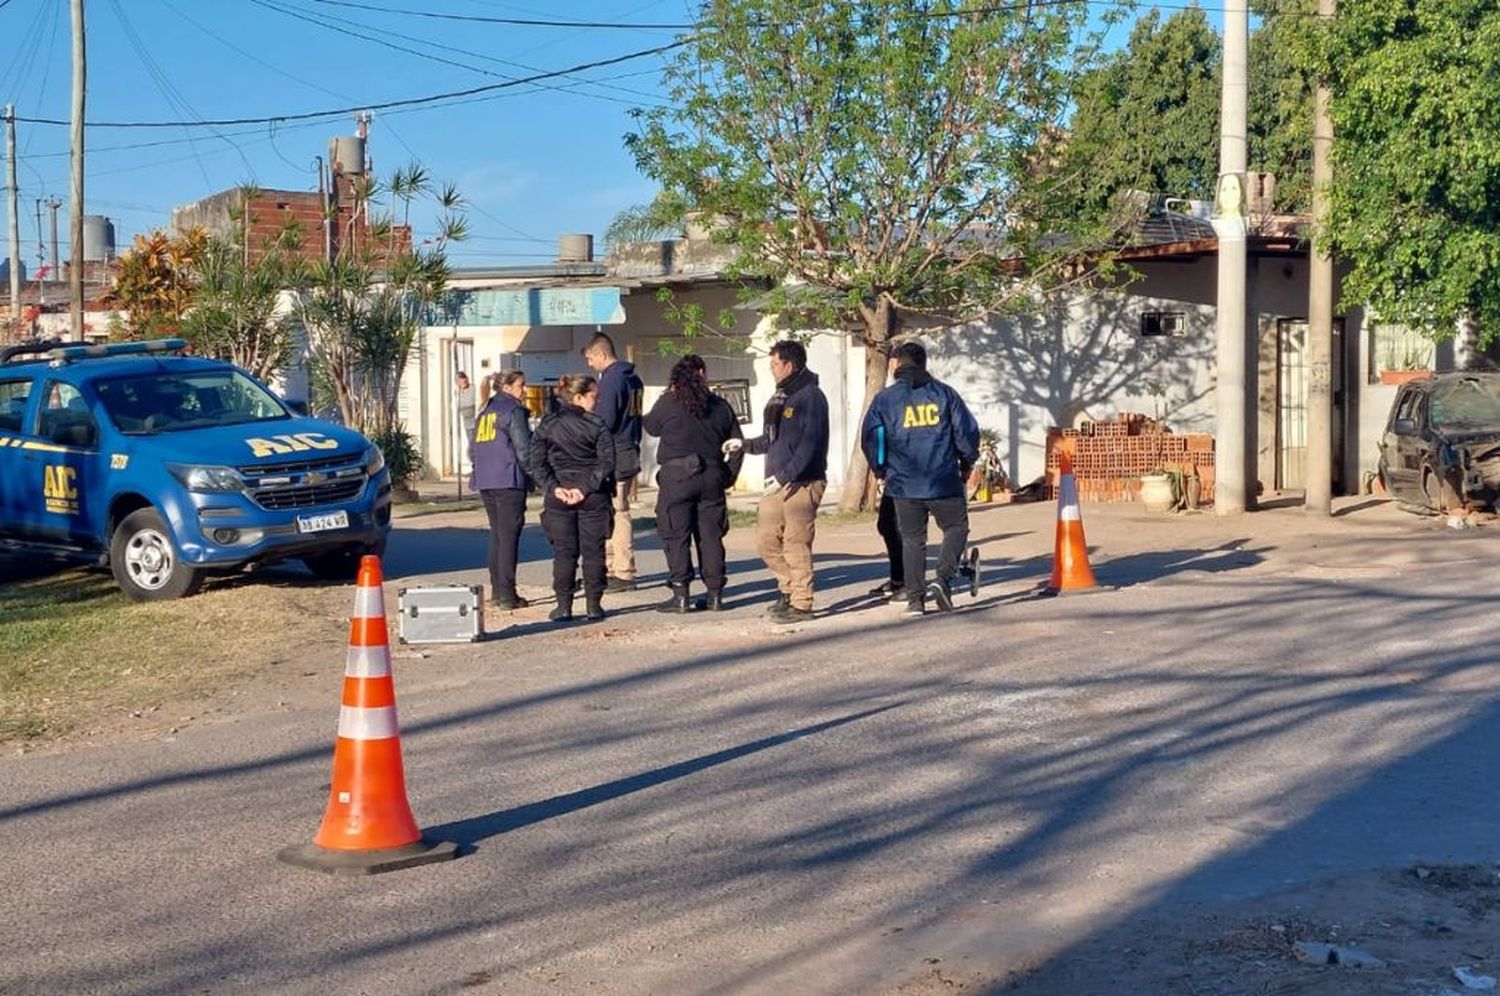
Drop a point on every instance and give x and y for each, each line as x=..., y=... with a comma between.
x=346, y=153
x=575, y=248
x=5, y=270
x=98, y=238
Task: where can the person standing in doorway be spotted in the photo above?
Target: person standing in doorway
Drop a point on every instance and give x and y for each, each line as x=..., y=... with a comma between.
x=693, y=424
x=619, y=407
x=573, y=461
x=921, y=440
x=464, y=394
x=502, y=445
x=794, y=441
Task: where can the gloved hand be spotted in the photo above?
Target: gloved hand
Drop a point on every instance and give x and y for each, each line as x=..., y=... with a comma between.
x=732, y=446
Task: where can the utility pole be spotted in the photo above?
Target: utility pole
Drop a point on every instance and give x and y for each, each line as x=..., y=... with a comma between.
x=75, y=249
x=1231, y=494
x=52, y=205
x=12, y=202
x=1319, y=473
x=41, y=258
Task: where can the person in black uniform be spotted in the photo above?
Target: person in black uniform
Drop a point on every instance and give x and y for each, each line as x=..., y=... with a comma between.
x=502, y=444
x=573, y=461
x=693, y=424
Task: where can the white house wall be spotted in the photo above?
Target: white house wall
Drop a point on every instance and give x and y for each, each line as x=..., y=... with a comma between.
x=1081, y=358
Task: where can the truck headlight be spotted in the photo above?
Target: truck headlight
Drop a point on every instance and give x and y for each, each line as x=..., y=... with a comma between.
x=374, y=461
x=207, y=478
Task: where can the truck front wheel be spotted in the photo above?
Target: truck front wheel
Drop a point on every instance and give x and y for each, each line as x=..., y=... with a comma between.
x=145, y=563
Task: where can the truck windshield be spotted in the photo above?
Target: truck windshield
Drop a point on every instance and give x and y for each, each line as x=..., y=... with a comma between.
x=168, y=402
x=1468, y=403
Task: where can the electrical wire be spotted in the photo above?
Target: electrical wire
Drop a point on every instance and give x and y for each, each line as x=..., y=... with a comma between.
x=357, y=29
x=385, y=105
x=513, y=21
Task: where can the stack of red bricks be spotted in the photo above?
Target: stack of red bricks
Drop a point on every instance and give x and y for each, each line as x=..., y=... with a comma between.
x=1109, y=457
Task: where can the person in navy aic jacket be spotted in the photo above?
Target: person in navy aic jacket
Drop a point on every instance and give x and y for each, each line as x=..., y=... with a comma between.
x=501, y=445
x=921, y=440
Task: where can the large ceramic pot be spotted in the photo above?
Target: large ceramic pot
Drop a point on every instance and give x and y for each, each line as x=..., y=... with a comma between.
x=1156, y=493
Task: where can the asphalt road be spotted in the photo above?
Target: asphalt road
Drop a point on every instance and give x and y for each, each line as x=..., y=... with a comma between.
x=862, y=803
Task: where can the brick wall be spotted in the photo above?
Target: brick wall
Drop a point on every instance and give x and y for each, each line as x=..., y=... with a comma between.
x=1109, y=457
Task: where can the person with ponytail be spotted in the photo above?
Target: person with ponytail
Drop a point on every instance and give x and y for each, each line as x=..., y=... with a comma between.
x=573, y=462
x=693, y=424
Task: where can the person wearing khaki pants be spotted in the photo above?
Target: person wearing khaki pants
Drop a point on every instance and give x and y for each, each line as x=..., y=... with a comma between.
x=794, y=441
x=619, y=407
x=786, y=523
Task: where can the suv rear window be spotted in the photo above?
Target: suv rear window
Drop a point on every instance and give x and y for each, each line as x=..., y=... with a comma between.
x=13, y=395
x=169, y=402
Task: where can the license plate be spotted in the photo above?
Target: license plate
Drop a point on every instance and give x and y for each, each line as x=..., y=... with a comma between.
x=320, y=523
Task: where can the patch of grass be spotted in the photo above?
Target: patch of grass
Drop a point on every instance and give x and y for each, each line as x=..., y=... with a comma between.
x=421, y=508
x=838, y=517
x=76, y=653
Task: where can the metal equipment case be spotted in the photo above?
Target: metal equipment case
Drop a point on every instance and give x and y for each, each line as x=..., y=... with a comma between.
x=445, y=613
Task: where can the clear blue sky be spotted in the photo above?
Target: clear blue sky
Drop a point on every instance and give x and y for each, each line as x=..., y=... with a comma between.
x=533, y=161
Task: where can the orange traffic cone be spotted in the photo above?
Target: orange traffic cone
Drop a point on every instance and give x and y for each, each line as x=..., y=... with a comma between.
x=1070, y=561
x=368, y=826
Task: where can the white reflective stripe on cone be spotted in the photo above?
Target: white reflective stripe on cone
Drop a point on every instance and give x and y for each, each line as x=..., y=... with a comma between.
x=369, y=603
x=1070, y=513
x=368, y=662
x=356, y=723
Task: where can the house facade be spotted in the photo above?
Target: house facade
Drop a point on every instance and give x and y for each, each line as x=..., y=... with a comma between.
x=1147, y=347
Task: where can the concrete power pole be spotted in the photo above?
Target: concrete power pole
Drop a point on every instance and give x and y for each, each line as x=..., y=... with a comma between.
x=12, y=201
x=1319, y=473
x=75, y=249
x=52, y=205
x=1231, y=494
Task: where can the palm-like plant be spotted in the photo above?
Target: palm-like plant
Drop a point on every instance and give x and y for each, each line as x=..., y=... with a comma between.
x=364, y=309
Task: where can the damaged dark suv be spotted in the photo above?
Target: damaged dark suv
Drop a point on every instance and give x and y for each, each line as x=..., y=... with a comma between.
x=1441, y=448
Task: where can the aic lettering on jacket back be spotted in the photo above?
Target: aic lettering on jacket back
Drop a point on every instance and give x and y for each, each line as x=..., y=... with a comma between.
x=920, y=416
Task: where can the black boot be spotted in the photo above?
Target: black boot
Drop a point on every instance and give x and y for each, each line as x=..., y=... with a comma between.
x=677, y=603
x=595, y=608
x=564, y=610
x=714, y=601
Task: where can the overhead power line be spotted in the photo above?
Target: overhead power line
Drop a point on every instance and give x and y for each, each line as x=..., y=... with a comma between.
x=385, y=105
x=403, y=43
x=528, y=22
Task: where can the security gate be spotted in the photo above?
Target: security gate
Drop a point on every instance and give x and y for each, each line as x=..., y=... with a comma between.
x=1291, y=404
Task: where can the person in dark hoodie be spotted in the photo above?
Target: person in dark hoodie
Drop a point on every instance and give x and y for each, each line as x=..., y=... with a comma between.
x=573, y=461
x=501, y=447
x=921, y=439
x=795, y=444
x=694, y=424
x=620, y=404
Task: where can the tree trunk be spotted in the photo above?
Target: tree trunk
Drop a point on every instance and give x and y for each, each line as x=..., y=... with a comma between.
x=859, y=483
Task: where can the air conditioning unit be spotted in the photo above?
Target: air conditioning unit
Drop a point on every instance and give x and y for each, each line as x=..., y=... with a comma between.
x=1155, y=323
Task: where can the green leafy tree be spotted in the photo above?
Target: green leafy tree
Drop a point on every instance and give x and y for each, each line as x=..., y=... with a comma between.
x=883, y=162
x=364, y=310
x=1415, y=202
x=1282, y=74
x=1147, y=118
x=236, y=311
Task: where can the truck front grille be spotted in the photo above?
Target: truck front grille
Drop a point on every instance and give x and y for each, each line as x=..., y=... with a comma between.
x=307, y=495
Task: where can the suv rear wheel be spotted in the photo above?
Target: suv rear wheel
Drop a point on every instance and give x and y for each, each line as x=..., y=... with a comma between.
x=145, y=563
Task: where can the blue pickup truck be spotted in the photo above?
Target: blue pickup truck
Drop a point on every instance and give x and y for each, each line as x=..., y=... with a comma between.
x=170, y=468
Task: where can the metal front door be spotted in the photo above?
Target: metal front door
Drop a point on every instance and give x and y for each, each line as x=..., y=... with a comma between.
x=460, y=360
x=1291, y=404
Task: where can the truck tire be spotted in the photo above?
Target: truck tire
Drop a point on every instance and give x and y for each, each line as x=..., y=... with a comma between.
x=341, y=565
x=145, y=563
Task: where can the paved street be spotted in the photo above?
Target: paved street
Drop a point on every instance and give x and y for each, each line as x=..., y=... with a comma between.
x=856, y=805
